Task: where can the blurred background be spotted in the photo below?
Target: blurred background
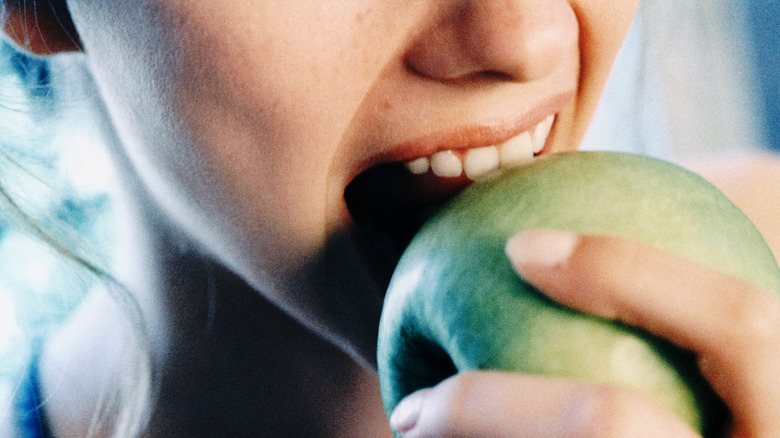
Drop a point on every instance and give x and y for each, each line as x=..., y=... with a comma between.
x=763, y=17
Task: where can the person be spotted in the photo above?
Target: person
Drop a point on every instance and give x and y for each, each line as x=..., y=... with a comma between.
x=239, y=127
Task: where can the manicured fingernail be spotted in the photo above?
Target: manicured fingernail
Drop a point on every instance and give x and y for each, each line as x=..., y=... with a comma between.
x=540, y=248
x=407, y=412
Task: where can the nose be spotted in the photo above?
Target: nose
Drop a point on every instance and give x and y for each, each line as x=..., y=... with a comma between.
x=518, y=40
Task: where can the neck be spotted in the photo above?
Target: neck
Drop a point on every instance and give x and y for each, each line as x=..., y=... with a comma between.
x=226, y=361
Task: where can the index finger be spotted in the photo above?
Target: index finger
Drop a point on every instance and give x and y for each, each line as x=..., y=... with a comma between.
x=732, y=325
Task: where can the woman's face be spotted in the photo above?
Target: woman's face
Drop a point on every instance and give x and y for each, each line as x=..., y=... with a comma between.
x=248, y=119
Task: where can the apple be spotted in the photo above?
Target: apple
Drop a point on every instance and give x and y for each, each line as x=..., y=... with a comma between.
x=455, y=304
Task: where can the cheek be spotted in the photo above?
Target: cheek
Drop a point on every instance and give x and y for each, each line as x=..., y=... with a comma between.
x=266, y=103
x=234, y=113
x=603, y=27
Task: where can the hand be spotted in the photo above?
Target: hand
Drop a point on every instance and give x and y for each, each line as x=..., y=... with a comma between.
x=732, y=326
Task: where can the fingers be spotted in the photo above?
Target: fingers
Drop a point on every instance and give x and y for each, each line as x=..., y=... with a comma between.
x=733, y=326
x=492, y=404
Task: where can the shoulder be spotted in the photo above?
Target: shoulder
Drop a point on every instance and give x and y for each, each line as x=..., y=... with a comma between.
x=752, y=181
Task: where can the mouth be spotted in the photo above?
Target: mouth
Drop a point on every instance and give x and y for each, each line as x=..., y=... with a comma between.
x=390, y=201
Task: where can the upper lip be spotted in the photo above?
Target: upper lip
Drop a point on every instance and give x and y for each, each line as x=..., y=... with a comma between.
x=472, y=136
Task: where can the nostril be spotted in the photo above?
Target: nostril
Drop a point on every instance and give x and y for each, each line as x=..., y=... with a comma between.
x=495, y=75
x=438, y=54
x=497, y=40
x=455, y=76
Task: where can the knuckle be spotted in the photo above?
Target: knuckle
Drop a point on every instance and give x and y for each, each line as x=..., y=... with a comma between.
x=458, y=393
x=756, y=323
x=473, y=405
x=613, y=412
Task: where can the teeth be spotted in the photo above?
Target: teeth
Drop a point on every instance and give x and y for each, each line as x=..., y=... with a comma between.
x=419, y=166
x=479, y=161
x=446, y=164
x=540, y=133
x=517, y=150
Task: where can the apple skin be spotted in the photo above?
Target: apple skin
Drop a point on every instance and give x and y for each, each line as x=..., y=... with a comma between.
x=455, y=304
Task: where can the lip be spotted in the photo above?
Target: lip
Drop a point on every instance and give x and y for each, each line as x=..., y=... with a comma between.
x=476, y=135
x=479, y=134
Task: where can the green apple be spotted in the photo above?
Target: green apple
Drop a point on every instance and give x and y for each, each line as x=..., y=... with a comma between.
x=455, y=304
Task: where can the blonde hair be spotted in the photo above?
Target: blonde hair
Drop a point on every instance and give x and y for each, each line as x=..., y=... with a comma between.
x=124, y=409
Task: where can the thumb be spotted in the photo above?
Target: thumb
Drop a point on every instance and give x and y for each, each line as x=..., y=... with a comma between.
x=498, y=404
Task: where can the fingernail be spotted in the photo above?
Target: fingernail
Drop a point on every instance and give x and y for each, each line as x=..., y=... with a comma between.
x=540, y=248
x=407, y=412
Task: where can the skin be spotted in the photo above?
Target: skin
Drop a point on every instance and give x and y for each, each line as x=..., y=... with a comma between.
x=239, y=126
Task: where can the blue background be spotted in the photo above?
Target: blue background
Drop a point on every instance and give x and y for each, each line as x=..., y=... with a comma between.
x=765, y=32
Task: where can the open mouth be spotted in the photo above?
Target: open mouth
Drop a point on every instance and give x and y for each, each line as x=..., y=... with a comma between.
x=390, y=202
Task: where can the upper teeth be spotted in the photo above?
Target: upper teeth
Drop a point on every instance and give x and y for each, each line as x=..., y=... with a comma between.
x=479, y=161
